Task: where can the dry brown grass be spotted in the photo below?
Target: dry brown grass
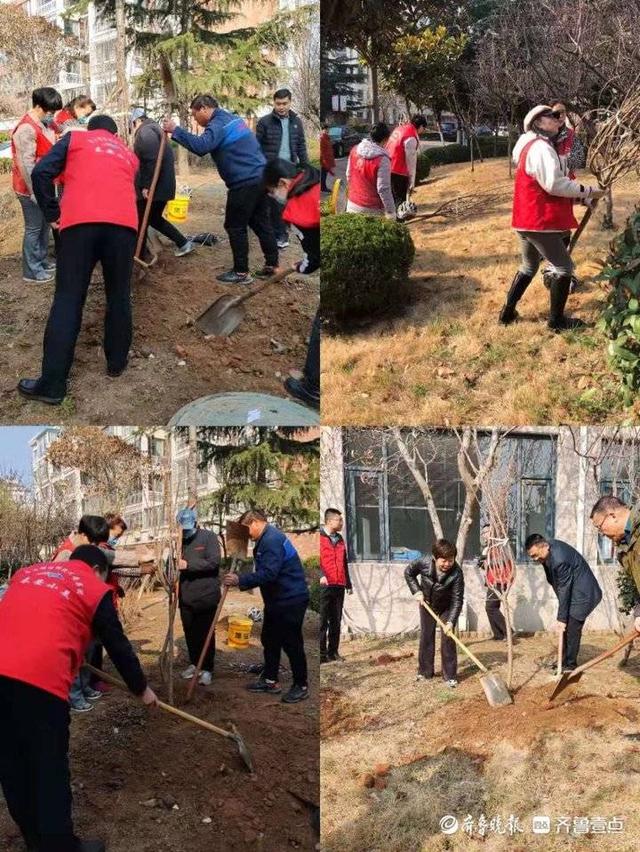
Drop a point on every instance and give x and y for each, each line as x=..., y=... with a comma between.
x=452, y=754
x=447, y=359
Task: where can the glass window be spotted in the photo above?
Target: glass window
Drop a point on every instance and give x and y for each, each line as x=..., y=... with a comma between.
x=365, y=533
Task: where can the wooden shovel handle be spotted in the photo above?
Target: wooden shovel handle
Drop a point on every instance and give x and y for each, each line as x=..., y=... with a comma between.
x=273, y=280
x=453, y=636
x=207, y=642
x=560, y=641
x=604, y=656
x=583, y=224
x=161, y=704
x=152, y=192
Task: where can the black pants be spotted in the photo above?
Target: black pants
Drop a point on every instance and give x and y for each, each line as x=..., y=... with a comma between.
x=280, y=227
x=312, y=364
x=80, y=249
x=399, y=189
x=282, y=631
x=324, y=174
x=96, y=658
x=34, y=765
x=331, y=603
x=196, y=624
x=248, y=207
x=427, y=651
x=571, y=644
x=496, y=618
x=157, y=221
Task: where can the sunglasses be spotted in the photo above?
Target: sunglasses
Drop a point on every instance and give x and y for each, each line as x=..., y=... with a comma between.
x=554, y=113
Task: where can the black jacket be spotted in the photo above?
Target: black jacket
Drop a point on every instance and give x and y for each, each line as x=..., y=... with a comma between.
x=146, y=146
x=199, y=582
x=269, y=134
x=572, y=580
x=445, y=597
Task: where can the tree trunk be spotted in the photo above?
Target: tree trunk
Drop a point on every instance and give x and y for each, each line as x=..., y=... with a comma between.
x=192, y=475
x=509, y=151
x=607, y=217
x=375, y=93
x=507, y=619
x=121, y=70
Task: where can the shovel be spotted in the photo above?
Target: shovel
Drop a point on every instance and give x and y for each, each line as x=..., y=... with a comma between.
x=207, y=642
x=560, y=641
x=223, y=316
x=233, y=734
x=147, y=210
x=569, y=678
x=494, y=687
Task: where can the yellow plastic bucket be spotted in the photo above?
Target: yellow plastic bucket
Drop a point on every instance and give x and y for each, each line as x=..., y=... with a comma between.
x=239, y=631
x=177, y=209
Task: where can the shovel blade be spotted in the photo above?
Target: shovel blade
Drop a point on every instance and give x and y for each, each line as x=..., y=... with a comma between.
x=567, y=679
x=222, y=317
x=244, y=752
x=495, y=690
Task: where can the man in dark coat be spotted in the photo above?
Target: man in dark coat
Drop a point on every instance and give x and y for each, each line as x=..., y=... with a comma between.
x=146, y=146
x=281, y=137
x=575, y=586
x=439, y=582
x=199, y=591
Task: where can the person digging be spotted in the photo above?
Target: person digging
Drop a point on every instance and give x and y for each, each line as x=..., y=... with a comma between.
x=280, y=577
x=39, y=658
x=440, y=582
x=542, y=214
x=199, y=591
x=575, y=586
x=620, y=523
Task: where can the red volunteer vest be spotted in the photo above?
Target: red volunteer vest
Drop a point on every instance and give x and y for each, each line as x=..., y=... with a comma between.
x=395, y=147
x=499, y=567
x=43, y=146
x=99, y=181
x=534, y=209
x=303, y=210
x=67, y=544
x=45, y=623
x=363, y=179
x=332, y=559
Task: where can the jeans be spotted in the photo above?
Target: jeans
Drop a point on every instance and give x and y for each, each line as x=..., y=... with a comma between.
x=331, y=603
x=82, y=681
x=81, y=247
x=35, y=242
x=282, y=631
x=34, y=765
x=248, y=207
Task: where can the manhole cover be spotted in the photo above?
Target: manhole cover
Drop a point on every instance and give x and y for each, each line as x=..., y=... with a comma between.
x=244, y=409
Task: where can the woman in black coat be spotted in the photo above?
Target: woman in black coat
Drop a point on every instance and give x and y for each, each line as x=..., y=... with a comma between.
x=440, y=582
x=146, y=146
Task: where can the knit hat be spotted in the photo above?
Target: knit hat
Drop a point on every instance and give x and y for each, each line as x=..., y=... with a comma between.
x=531, y=116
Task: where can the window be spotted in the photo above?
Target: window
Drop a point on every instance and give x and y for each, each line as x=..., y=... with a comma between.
x=618, y=475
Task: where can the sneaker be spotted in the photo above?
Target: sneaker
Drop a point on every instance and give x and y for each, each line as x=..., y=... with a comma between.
x=205, y=678
x=295, y=694
x=50, y=267
x=103, y=687
x=187, y=248
x=265, y=272
x=189, y=672
x=263, y=685
x=81, y=706
x=283, y=244
x=451, y=683
x=256, y=668
x=92, y=694
x=233, y=277
x=40, y=279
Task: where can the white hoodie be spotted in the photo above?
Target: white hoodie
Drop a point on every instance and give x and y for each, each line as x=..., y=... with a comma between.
x=544, y=165
x=369, y=150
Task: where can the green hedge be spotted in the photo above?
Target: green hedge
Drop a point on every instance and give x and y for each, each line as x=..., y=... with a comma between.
x=455, y=153
x=365, y=266
x=4, y=135
x=5, y=166
x=312, y=570
x=423, y=169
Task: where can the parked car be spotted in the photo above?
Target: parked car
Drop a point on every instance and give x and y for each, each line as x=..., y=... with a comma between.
x=449, y=130
x=343, y=139
x=5, y=151
x=483, y=130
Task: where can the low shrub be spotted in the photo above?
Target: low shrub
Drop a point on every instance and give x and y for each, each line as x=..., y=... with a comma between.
x=365, y=266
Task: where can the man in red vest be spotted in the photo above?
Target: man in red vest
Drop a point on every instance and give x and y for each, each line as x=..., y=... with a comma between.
x=403, y=147
x=369, y=176
x=39, y=657
x=299, y=195
x=543, y=200
x=32, y=138
x=334, y=581
x=97, y=219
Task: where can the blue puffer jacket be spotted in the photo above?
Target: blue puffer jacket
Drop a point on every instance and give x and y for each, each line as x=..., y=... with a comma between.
x=233, y=148
x=278, y=569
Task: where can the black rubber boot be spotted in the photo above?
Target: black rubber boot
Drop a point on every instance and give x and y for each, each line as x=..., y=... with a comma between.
x=558, y=295
x=508, y=314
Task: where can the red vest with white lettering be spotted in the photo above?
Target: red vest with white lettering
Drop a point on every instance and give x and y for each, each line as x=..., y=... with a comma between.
x=534, y=209
x=395, y=147
x=99, y=181
x=303, y=210
x=363, y=181
x=43, y=146
x=45, y=623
